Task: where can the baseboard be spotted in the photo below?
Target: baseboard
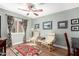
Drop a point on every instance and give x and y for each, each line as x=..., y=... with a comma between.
x=17, y=43
x=60, y=46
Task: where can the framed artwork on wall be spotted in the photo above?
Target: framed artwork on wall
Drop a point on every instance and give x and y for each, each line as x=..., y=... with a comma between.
x=62, y=24
x=36, y=26
x=75, y=21
x=75, y=28
x=47, y=25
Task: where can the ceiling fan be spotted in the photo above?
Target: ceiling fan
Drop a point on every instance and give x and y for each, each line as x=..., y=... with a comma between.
x=31, y=8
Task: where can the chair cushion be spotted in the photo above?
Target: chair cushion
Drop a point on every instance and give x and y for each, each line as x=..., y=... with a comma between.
x=50, y=39
x=51, y=34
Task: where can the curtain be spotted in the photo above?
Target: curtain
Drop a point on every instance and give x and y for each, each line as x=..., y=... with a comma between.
x=10, y=21
x=25, y=27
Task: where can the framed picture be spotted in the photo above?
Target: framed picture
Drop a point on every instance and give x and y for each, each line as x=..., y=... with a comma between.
x=47, y=25
x=75, y=21
x=75, y=28
x=62, y=24
x=36, y=26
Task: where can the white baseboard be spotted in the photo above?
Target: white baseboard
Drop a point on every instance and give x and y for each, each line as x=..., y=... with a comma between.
x=60, y=46
x=17, y=43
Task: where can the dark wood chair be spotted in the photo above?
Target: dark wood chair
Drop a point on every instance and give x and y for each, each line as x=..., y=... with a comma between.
x=68, y=45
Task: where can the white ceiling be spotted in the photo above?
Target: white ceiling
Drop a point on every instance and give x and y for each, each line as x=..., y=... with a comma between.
x=48, y=8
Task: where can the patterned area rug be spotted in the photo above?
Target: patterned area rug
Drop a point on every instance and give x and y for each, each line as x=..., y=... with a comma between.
x=25, y=50
x=43, y=51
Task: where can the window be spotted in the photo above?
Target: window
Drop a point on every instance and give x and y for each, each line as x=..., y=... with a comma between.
x=17, y=26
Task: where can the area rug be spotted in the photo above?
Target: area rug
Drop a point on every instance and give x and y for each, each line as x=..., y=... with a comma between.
x=27, y=50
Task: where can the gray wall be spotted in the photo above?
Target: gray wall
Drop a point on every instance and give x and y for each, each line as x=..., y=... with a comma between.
x=3, y=25
x=59, y=16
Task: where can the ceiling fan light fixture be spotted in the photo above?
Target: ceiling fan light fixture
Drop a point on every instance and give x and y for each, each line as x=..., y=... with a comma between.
x=27, y=13
x=38, y=10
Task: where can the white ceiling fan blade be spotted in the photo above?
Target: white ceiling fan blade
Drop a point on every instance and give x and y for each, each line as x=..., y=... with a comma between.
x=38, y=10
x=24, y=10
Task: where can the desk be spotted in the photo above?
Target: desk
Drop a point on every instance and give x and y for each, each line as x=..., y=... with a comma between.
x=3, y=44
x=75, y=44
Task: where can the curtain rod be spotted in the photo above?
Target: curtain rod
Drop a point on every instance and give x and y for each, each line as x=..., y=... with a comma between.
x=15, y=16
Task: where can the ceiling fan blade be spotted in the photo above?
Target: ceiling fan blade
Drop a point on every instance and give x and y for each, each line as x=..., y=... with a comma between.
x=24, y=10
x=38, y=10
x=35, y=14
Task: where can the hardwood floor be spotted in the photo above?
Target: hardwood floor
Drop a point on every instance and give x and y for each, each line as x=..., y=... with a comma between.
x=44, y=51
x=55, y=52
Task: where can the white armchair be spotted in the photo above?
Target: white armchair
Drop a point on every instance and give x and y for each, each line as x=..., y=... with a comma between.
x=36, y=34
x=48, y=42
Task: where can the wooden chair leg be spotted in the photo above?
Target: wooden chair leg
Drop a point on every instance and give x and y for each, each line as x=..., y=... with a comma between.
x=50, y=48
x=1, y=49
x=77, y=52
x=5, y=49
